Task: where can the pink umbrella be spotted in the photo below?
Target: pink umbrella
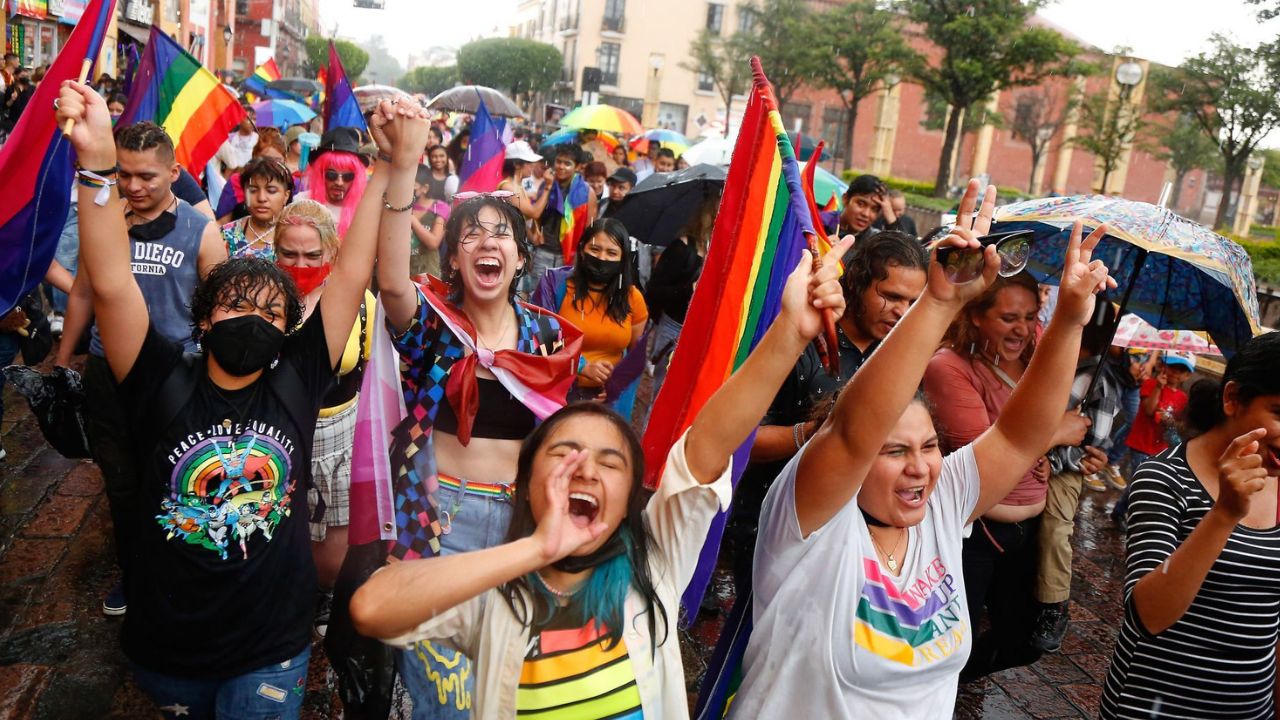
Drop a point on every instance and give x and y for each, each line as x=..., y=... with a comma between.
x=1134, y=332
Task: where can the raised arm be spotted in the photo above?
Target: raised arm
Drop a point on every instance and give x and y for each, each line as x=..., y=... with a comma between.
x=736, y=408
x=104, y=240
x=397, y=293
x=841, y=452
x=1029, y=420
x=400, y=131
x=403, y=595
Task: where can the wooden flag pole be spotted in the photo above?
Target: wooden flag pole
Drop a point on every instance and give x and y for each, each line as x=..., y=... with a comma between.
x=85, y=67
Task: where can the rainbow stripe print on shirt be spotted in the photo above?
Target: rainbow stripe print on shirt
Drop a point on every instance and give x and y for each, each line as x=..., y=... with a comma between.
x=916, y=626
x=570, y=675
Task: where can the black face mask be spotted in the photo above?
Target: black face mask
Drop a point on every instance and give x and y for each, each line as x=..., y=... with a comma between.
x=243, y=345
x=155, y=229
x=601, y=272
x=612, y=548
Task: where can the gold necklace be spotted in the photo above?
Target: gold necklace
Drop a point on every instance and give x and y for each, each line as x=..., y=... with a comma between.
x=891, y=561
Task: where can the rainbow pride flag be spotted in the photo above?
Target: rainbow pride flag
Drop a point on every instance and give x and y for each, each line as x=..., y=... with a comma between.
x=37, y=168
x=759, y=234
x=172, y=89
x=263, y=74
x=573, y=206
x=340, y=106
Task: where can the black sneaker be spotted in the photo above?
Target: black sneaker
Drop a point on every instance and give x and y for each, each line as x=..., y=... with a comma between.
x=114, y=605
x=1051, y=626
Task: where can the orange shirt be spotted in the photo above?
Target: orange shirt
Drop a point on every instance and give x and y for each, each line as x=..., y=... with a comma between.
x=602, y=337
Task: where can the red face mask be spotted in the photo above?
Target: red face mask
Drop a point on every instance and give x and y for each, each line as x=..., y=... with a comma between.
x=307, y=278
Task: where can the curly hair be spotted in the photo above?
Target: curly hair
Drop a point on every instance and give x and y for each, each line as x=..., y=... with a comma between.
x=313, y=214
x=870, y=260
x=270, y=138
x=466, y=215
x=240, y=281
x=143, y=136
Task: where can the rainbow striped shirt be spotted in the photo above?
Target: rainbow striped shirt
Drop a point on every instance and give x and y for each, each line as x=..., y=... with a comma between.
x=569, y=674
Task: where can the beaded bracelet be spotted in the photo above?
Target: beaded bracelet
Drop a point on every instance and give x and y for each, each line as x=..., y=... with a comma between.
x=393, y=208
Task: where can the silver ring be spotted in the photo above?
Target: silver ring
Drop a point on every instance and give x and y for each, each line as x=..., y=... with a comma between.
x=55, y=103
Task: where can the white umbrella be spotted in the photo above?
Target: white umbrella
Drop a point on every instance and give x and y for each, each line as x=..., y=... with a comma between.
x=713, y=151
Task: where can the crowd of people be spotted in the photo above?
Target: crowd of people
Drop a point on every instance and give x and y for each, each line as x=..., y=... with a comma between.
x=901, y=526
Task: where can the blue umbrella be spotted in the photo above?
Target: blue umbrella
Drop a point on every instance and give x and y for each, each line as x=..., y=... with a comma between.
x=1171, y=272
x=281, y=113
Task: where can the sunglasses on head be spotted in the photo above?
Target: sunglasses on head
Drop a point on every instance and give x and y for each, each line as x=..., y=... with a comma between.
x=503, y=195
x=964, y=265
x=334, y=175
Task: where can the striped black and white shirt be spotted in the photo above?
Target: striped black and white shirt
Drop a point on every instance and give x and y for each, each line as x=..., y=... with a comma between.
x=1219, y=659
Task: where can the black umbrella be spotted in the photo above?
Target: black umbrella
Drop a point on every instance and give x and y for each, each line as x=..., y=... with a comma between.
x=466, y=98
x=656, y=209
x=297, y=86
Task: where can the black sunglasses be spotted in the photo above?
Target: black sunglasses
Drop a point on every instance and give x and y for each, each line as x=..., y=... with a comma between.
x=964, y=265
x=333, y=175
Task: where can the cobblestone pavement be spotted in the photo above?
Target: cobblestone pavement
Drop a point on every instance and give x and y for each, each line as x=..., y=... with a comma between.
x=60, y=658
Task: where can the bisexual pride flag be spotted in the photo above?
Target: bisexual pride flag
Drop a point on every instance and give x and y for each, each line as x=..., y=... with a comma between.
x=340, y=106
x=37, y=166
x=481, y=169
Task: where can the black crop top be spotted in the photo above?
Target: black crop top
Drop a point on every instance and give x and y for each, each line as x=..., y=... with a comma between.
x=499, y=417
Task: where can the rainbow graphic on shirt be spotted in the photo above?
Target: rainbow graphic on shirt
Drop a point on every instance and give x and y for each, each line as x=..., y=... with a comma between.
x=916, y=626
x=226, y=488
x=574, y=675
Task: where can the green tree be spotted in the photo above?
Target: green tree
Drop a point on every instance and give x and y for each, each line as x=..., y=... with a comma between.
x=983, y=46
x=864, y=50
x=785, y=38
x=1233, y=93
x=1185, y=147
x=724, y=63
x=429, y=81
x=514, y=65
x=1107, y=127
x=354, y=59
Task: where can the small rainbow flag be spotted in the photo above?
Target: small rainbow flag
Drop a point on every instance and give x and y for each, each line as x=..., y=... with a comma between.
x=172, y=89
x=340, y=106
x=573, y=206
x=37, y=167
x=265, y=73
x=758, y=237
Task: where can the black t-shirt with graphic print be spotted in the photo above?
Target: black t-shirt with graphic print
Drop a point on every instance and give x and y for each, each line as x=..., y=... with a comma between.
x=216, y=552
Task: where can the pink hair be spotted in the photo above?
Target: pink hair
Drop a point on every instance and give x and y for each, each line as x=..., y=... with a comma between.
x=343, y=162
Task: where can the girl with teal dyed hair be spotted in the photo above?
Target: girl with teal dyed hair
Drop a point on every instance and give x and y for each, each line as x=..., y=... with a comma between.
x=577, y=611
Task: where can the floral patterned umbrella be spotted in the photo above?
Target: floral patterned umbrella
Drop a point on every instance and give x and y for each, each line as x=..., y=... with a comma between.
x=1171, y=272
x=1134, y=332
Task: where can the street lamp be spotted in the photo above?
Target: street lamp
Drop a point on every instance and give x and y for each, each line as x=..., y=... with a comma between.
x=1128, y=75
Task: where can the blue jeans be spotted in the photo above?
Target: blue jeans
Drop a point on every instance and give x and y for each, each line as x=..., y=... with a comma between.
x=67, y=255
x=1135, y=459
x=664, y=342
x=271, y=692
x=439, y=679
x=8, y=351
x=1129, y=402
x=543, y=260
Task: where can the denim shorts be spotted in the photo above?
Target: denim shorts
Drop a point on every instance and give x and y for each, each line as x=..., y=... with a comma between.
x=272, y=692
x=439, y=678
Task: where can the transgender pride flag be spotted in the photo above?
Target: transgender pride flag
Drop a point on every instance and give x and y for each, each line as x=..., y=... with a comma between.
x=482, y=167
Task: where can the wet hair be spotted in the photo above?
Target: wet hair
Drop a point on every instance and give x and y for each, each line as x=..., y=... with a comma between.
x=604, y=596
x=865, y=185
x=313, y=214
x=511, y=166
x=566, y=150
x=463, y=217
x=269, y=169
x=617, y=297
x=118, y=98
x=343, y=162
x=1252, y=369
x=963, y=334
x=666, y=152
x=595, y=168
x=870, y=260
x=270, y=138
x=241, y=280
x=437, y=134
x=143, y=136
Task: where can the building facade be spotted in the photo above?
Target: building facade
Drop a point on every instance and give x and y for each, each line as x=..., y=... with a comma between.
x=272, y=28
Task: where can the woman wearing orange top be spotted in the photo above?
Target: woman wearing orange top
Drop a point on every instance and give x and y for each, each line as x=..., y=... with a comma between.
x=598, y=295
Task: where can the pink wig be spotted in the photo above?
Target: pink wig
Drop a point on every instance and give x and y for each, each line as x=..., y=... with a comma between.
x=343, y=162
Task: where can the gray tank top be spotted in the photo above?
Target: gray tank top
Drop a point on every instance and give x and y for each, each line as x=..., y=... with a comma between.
x=167, y=272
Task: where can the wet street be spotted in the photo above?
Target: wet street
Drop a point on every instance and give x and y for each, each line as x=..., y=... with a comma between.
x=60, y=658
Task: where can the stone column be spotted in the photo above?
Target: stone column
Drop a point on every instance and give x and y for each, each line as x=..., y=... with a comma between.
x=1062, y=169
x=982, y=148
x=880, y=159
x=1248, y=203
